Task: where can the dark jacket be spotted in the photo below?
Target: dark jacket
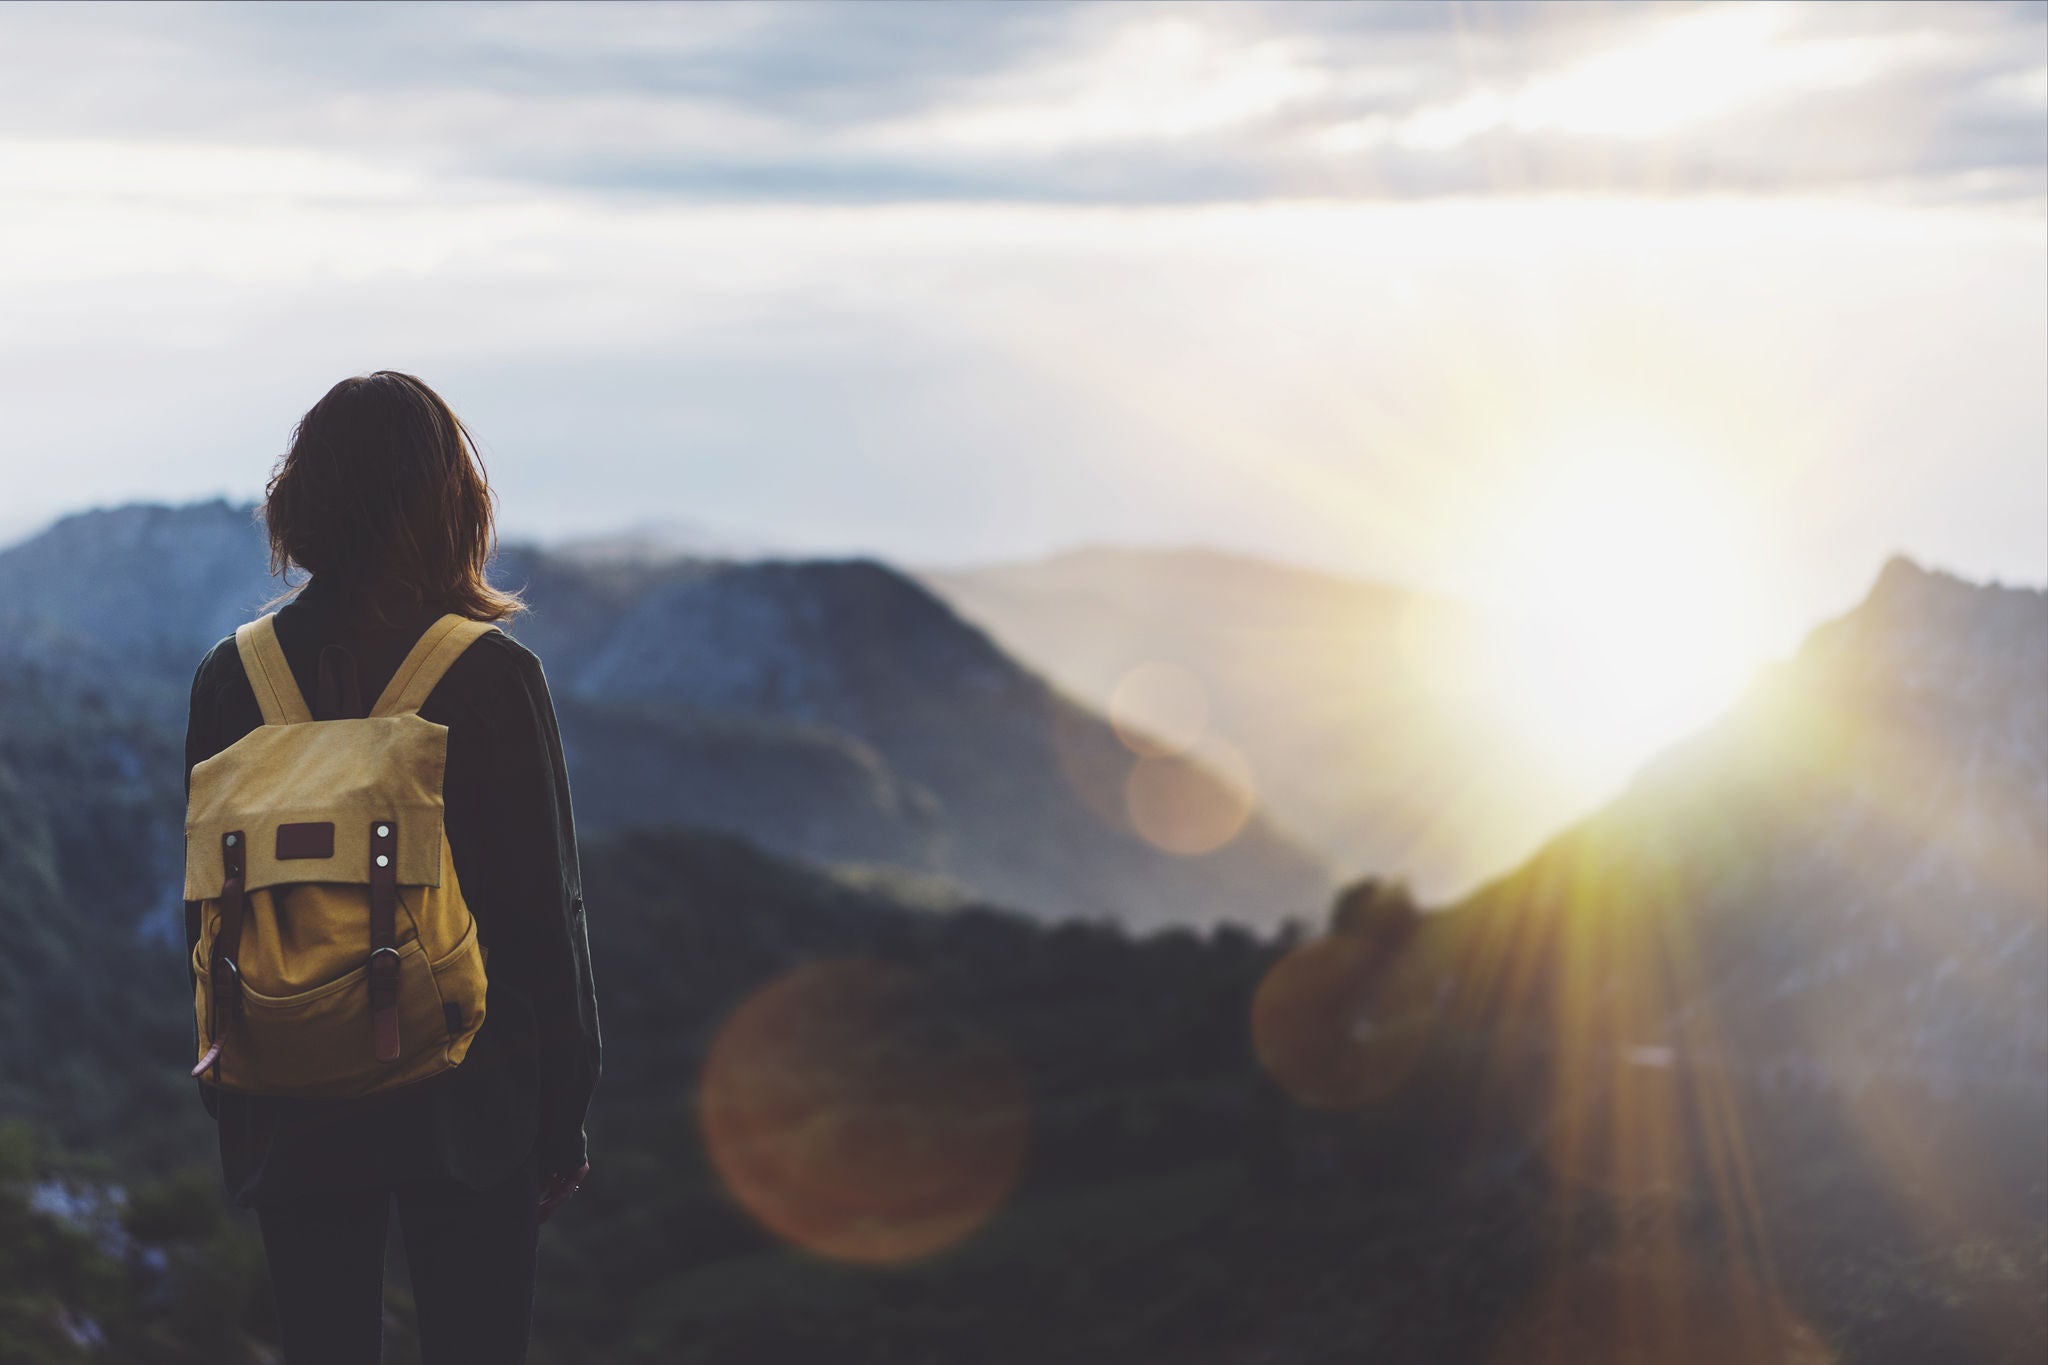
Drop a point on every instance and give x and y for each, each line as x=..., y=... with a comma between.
x=527, y=1080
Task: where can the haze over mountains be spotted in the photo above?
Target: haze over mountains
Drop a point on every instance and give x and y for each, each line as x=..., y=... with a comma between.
x=833, y=710
x=1845, y=876
x=1785, y=988
x=1346, y=697
x=1796, y=978
x=836, y=711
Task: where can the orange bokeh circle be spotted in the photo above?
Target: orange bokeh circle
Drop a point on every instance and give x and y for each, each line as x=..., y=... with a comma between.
x=1191, y=803
x=855, y=1117
x=1342, y=1021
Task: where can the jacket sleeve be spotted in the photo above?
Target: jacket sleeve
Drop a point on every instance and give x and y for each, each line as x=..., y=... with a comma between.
x=202, y=741
x=536, y=918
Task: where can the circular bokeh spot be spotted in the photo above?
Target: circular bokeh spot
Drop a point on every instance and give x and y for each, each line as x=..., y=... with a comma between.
x=1342, y=1021
x=1159, y=709
x=1190, y=803
x=857, y=1118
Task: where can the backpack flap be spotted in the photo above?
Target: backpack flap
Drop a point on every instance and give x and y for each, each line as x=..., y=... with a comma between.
x=308, y=797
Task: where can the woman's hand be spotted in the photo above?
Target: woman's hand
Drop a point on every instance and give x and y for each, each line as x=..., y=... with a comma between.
x=556, y=1189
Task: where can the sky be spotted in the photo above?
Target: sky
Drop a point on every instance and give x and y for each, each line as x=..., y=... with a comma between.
x=1757, y=294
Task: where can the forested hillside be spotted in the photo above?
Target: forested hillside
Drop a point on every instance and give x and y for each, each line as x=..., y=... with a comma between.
x=1746, y=1067
x=829, y=709
x=1110, y=1149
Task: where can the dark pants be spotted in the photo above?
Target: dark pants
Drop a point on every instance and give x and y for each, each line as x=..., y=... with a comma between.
x=472, y=1259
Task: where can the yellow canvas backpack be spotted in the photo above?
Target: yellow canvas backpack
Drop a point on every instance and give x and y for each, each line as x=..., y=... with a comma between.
x=336, y=956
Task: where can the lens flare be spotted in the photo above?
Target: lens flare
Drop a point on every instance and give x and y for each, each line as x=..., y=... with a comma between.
x=1342, y=1021
x=853, y=1116
x=1159, y=709
x=1192, y=803
x=1626, y=597
x=1444, y=651
x=1654, y=1307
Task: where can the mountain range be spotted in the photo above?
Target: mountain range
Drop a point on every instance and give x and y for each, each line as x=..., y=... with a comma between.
x=1845, y=875
x=1750, y=1064
x=1846, y=871
x=1348, y=699
x=832, y=710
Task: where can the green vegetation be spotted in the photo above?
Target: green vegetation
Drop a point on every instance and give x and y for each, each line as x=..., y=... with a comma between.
x=1174, y=1203
x=92, y=1270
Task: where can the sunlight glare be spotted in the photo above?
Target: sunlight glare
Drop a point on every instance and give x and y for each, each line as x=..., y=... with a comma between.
x=1685, y=71
x=1627, y=613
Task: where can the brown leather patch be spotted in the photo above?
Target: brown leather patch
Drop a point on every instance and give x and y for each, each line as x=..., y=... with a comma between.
x=305, y=841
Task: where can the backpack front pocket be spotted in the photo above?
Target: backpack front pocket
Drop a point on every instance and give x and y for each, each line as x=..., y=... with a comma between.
x=321, y=1042
x=459, y=983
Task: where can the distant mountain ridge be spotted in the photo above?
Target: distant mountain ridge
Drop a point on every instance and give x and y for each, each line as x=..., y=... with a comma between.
x=1784, y=992
x=141, y=582
x=1343, y=695
x=1847, y=874
x=833, y=710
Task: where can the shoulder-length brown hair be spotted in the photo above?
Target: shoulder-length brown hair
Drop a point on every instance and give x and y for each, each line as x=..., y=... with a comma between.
x=383, y=491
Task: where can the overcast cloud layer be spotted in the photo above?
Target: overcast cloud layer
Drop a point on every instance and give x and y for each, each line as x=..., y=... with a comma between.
x=962, y=281
x=1132, y=104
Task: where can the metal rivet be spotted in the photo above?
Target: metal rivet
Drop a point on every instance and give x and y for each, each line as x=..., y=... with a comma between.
x=231, y=841
x=383, y=861
x=383, y=831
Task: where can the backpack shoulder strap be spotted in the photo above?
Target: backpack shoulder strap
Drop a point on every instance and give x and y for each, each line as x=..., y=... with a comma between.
x=270, y=677
x=439, y=646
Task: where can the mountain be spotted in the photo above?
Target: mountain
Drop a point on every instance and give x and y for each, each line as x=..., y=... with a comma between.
x=1094, y=1123
x=116, y=598
x=837, y=710
x=1802, y=962
x=1343, y=696
x=1847, y=873
x=91, y=855
x=1164, y=1201
x=1746, y=1067
x=656, y=542
x=833, y=710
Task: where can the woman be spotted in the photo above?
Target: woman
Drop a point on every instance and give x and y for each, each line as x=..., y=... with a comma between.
x=382, y=500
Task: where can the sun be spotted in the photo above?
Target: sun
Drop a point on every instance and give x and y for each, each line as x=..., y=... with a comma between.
x=1625, y=611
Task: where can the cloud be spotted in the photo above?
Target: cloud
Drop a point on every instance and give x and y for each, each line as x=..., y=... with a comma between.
x=970, y=280
x=1105, y=103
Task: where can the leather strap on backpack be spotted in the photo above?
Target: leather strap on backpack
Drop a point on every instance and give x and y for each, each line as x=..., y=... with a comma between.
x=227, y=945
x=384, y=938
